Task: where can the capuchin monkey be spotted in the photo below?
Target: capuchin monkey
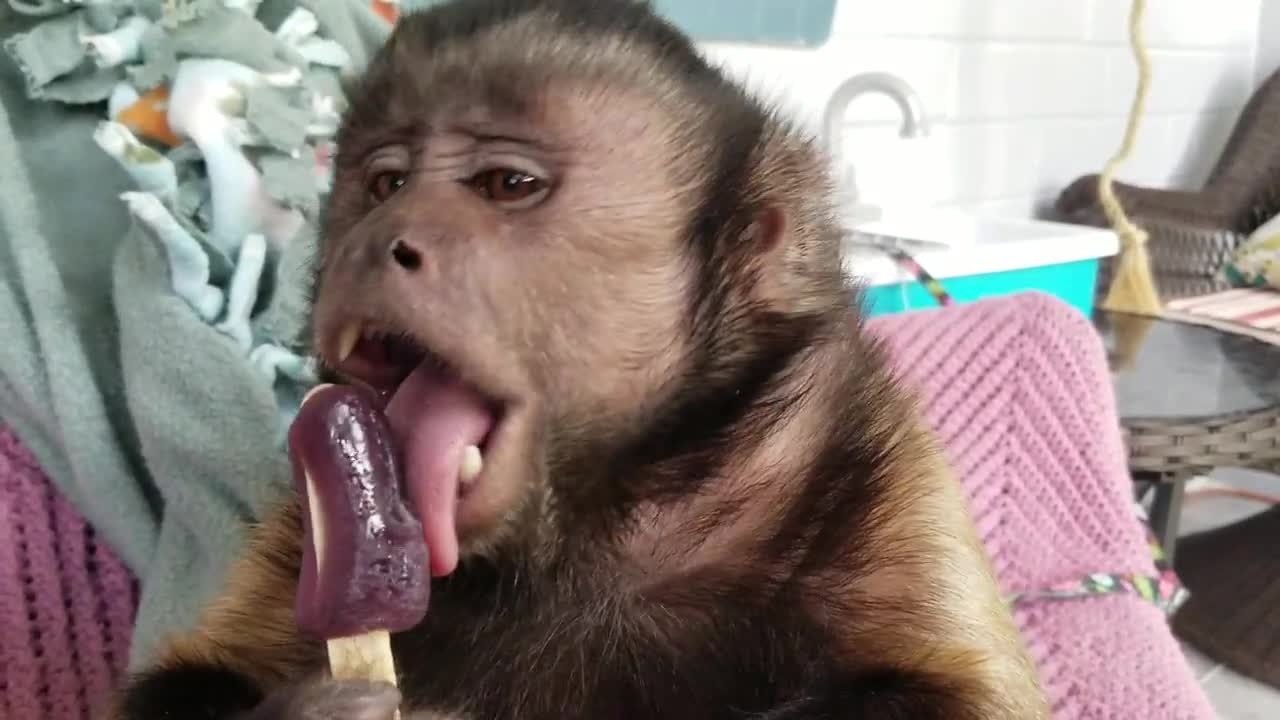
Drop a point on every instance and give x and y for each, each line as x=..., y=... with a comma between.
x=703, y=493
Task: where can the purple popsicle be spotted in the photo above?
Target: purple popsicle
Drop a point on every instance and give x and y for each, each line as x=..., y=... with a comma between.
x=365, y=562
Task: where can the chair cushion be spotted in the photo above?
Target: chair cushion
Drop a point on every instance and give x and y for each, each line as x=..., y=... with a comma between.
x=1256, y=262
x=1019, y=390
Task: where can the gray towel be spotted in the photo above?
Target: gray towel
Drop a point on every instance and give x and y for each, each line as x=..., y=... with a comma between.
x=150, y=419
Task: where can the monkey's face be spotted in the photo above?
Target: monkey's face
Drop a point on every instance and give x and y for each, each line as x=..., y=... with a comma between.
x=560, y=248
x=513, y=281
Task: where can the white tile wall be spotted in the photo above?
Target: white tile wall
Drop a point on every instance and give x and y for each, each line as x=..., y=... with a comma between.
x=1025, y=95
x=1268, y=40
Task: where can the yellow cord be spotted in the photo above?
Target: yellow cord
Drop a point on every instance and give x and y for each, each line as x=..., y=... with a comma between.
x=1132, y=287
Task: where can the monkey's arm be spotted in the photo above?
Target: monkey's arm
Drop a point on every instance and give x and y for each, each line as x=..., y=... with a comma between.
x=958, y=654
x=885, y=695
x=927, y=633
x=245, y=645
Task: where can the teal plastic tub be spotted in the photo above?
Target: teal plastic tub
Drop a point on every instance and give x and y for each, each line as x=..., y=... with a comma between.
x=1073, y=282
x=974, y=258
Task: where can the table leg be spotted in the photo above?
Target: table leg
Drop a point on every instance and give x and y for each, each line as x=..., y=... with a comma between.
x=1166, y=512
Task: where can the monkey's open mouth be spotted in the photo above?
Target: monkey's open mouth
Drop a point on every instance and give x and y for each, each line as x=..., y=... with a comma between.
x=441, y=426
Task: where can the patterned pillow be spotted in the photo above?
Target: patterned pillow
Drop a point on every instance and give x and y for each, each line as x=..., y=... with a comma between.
x=1256, y=263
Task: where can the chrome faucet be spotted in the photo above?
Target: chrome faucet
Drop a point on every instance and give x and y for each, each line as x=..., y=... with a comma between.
x=915, y=122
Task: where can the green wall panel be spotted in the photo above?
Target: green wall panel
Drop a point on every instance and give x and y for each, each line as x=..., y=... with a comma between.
x=797, y=23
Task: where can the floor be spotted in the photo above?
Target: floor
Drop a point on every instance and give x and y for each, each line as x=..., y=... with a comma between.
x=1235, y=697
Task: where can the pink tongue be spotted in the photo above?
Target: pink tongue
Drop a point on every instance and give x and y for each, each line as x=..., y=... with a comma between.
x=433, y=417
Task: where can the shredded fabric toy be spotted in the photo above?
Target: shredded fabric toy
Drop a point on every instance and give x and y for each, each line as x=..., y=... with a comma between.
x=223, y=124
x=165, y=165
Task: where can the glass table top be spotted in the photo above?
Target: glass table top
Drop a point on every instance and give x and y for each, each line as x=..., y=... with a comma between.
x=1166, y=369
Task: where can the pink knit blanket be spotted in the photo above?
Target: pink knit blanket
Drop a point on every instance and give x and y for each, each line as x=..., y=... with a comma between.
x=1017, y=387
x=66, y=602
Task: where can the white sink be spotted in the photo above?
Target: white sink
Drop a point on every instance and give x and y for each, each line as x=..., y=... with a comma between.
x=953, y=243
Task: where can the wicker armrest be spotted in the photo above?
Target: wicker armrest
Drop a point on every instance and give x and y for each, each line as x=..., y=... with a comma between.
x=1193, y=233
x=1186, y=258
x=1187, y=249
x=1079, y=203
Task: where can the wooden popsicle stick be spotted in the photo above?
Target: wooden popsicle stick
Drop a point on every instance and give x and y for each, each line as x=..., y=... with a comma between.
x=363, y=657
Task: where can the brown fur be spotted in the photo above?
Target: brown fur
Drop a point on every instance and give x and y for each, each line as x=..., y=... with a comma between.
x=714, y=500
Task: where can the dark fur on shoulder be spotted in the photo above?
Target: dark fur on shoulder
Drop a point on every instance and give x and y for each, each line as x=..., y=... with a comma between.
x=721, y=504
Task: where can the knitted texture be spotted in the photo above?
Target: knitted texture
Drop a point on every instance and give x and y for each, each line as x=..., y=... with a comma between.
x=66, y=602
x=1019, y=390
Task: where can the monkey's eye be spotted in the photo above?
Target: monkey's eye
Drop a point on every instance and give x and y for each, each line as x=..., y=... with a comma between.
x=509, y=187
x=386, y=184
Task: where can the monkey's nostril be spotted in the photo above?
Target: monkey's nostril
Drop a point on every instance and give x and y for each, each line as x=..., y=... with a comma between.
x=406, y=256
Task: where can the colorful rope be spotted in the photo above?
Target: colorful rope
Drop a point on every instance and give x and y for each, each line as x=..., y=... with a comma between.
x=906, y=261
x=911, y=265
x=1164, y=589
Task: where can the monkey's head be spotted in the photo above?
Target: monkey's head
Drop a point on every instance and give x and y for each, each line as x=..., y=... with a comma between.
x=557, y=234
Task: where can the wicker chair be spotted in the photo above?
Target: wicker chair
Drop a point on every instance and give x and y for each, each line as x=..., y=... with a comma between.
x=1194, y=233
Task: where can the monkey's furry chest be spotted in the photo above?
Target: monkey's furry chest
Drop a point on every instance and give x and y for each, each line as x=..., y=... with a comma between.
x=708, y=652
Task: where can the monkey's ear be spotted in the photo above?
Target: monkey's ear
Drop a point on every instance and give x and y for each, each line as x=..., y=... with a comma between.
x=765, y=243
x=767, y=229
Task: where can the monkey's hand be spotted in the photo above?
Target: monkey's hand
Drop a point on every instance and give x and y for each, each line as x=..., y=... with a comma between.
x=338, y=700
x=329, y=700
x=209, y=694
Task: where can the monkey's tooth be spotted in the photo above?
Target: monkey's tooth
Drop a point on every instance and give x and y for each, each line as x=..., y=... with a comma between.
x=347, y=339
x=472, y=464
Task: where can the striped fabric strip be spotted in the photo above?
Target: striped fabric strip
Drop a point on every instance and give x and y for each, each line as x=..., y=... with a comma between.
x=1253, y=311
